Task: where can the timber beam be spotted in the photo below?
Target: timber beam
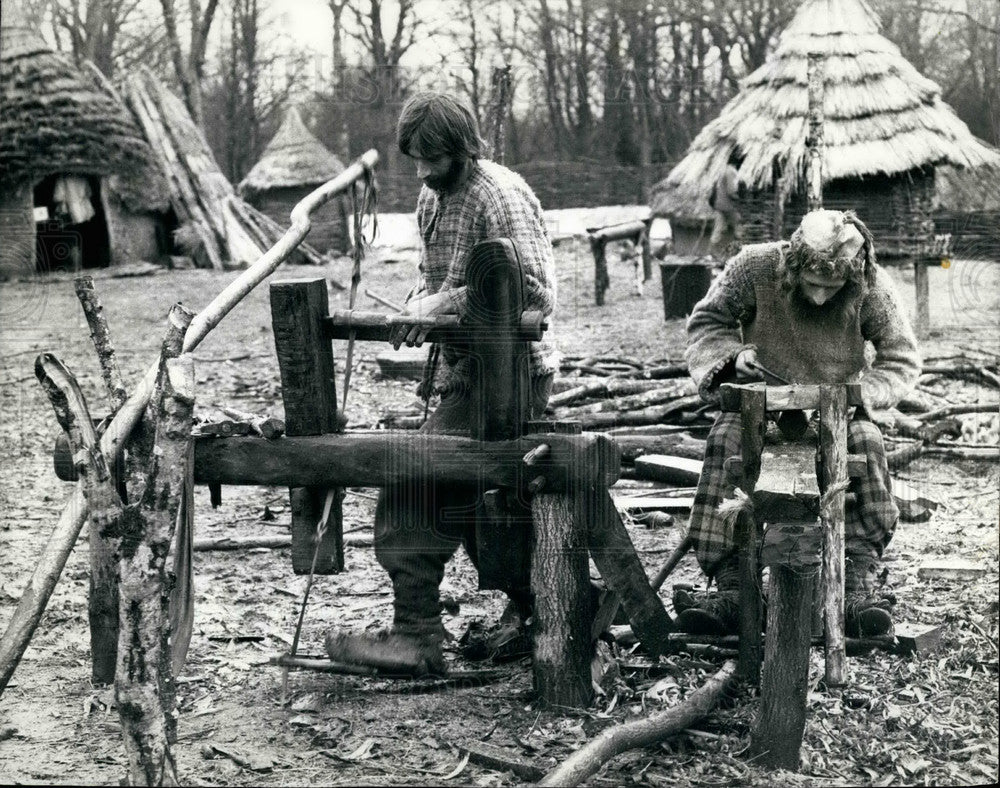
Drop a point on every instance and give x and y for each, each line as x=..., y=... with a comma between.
x=384, y=458
x=380, y=327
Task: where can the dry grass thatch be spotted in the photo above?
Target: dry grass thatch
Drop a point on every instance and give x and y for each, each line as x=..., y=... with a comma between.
x=968, y=190
x=294, y=157
x=880, y=114
x=58, y=118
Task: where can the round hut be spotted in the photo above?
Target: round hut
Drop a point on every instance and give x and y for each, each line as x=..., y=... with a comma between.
x=885, y=129
x=292, y=165
x=79, y=187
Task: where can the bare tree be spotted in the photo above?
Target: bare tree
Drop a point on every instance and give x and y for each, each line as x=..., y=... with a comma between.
x=190, y=66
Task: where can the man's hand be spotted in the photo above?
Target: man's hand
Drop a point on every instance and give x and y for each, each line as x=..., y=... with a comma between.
x=746, y=366
x=425, y=306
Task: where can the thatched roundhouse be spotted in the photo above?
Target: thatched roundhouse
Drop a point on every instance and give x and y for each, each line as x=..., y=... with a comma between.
x=885, y=130
x=292, y=165
x=78, y=184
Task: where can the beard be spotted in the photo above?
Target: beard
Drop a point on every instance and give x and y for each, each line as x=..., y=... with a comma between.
x=444, y=183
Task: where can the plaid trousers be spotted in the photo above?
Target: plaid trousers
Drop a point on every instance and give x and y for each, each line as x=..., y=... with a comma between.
x=871, y=513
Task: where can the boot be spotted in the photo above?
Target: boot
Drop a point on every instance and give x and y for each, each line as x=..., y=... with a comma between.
x=509, y=639
x=395, y=652
x=867, y=610
x=712, y=613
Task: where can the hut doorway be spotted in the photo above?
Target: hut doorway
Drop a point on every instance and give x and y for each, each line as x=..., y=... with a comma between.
x=72, y=229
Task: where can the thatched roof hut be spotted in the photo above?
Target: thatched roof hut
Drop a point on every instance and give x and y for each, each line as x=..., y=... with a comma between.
x=885, y=128
x=62, y=122
x=292, y=165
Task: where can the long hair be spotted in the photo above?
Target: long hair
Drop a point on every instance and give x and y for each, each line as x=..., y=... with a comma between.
x=439, y=124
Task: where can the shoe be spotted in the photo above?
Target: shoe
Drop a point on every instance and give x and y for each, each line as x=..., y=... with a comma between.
x=867, y=608
x=394, y=652
x=711, y=613
x=508, y=640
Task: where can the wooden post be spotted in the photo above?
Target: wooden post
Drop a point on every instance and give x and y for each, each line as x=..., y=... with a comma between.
x=601, y=279
x=814, y=140
x=777, y=736
x=560, y=585
x=647, y=253
x=500, y=407
x=615, y=557
x=753, y=424
x=833, y=483
x=144, y=686
x=921, y=284
x=308, y=391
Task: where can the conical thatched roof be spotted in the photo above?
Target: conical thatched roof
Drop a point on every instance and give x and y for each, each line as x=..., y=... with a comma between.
x=968, y=190
x=57, y=118
x=294, y=157
x=881, y=115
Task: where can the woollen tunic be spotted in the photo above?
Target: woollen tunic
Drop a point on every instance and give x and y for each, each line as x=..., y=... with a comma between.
x=492, y=202
x=747, y=308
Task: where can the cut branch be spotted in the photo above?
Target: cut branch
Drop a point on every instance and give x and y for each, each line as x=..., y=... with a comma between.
x=642, y=733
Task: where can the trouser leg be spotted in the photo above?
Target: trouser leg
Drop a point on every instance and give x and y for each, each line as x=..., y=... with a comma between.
x=713, y=533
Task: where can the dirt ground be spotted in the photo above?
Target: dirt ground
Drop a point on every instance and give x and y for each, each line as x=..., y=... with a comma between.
x=923, y=720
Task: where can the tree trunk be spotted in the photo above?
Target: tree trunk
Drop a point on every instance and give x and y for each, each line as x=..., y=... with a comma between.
x=144, y=686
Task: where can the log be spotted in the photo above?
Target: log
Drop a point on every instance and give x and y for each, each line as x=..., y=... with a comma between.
x=777, y=735
x=641, y=733
x=236, y=543
x=647, y=503
x=679, y=444
x=833, y=482
x=499, y=759
x=601, y=279
x=56, y=552
x=815, y=78
x=752, y=420
x=603, y=388
x=645, y=399
x=955, y=410
x=664, y=468
x=305, y=360
x=560, y=585
x=798, y=396
x=652, y=415
x=144, y=686
x=381, y=327
x=382, y=458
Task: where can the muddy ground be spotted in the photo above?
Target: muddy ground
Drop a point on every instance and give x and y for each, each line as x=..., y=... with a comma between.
x=929, y=719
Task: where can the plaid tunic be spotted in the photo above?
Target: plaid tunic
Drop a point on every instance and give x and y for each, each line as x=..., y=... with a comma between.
x=493, y=202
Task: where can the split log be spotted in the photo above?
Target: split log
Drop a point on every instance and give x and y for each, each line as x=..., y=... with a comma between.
x=653, y=415
x=680, y=444
x=266, y=427
x=641, y=733
x=955, y=410
x=144, y=686
x=56, y=552
x=656, y=395
x=601, y=389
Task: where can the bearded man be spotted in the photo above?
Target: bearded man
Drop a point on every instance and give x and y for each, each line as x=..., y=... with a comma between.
x=803, y=310
x=465, y=199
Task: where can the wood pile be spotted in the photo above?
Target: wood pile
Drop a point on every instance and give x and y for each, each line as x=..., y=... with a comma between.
x=221, y=230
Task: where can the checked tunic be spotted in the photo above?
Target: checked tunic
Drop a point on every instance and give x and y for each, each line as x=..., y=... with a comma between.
x=493, y=202
x=747, y=308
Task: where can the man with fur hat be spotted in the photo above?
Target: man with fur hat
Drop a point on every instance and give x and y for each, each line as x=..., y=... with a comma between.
x=803, y=311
